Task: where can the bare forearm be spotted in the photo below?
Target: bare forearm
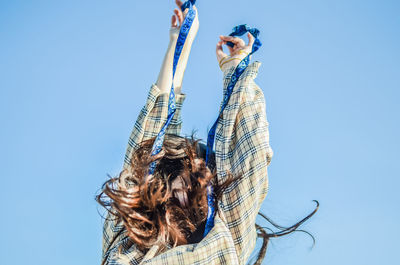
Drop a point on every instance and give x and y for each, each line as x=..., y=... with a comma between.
x=165, y=77
x=183, y=60
x=164, y=81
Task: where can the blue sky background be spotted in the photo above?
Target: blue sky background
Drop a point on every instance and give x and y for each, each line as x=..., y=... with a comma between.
x=74, y=75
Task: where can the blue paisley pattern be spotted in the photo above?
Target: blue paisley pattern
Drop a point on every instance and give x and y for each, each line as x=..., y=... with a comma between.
x=237, y=31
x=188, y=4
x=183, y=33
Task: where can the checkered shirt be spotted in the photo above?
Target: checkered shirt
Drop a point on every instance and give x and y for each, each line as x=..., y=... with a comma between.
x=241, y=146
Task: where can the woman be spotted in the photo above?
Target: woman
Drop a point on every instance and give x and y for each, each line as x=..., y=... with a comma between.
x=160, y=219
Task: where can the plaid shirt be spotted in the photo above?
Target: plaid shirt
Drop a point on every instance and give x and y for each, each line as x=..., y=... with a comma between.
x=241, y=146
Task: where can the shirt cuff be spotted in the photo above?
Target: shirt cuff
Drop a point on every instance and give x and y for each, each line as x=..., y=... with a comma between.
x=249, y=73
x=155, y=93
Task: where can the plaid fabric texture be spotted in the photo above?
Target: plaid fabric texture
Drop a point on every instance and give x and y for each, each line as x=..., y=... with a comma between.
x=241, y=147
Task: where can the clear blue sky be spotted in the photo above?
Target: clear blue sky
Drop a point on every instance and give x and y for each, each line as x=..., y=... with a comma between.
x=74, y=75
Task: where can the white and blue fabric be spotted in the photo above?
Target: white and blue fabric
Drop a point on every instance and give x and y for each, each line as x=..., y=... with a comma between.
x=237, y=31
x=183, y=33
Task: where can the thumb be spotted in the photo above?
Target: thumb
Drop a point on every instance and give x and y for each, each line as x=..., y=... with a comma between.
x=219, y=51
x=251, y=39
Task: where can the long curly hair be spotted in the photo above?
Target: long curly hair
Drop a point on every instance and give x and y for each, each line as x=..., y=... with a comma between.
x=169, y=207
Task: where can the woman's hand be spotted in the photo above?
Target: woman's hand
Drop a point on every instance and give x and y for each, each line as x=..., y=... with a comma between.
x=179, y=17
x=236, y=53
x=164, y=81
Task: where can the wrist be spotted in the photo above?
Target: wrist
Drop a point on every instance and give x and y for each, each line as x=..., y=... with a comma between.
x=173, y=34
x=229, y=62
x=232, y=61
x=172, y=41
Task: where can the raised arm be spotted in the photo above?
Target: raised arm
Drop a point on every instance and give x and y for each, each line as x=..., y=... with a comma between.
x=164, y=81
x=242, y=147
x=149, y=122
x=155, y=112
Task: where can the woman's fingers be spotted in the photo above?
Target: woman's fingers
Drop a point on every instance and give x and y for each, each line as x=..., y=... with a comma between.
x=237, y=53
x=178, y=3
x=174, y=21
x=219, y=50
x=251, y=39
x=179, y=15
x=225, y=39
x=235, y=40
x=182, y=14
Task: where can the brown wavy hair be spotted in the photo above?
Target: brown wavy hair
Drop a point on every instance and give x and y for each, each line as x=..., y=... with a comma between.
x=169, y=208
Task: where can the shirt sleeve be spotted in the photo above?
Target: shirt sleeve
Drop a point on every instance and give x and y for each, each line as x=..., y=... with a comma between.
x=242, y=148
x=149, y=122
x=152, y=117
x=216, y=248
